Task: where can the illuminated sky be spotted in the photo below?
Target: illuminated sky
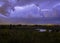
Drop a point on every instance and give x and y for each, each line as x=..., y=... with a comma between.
x=30, y=12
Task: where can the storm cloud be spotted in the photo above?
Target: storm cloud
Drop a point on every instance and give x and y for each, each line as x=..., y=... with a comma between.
x=32, y=12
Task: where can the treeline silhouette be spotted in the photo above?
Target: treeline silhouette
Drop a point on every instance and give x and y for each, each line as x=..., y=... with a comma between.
x=31, y=27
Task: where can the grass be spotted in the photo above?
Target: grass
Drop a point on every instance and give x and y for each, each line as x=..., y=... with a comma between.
x=26, y=36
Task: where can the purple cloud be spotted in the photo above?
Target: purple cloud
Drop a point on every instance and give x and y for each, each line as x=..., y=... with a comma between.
x=33, y=12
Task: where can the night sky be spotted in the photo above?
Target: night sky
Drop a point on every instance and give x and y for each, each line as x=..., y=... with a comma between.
x=30, y=12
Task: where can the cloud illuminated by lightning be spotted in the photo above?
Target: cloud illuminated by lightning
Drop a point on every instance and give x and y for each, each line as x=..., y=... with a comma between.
x=58, y=4
x=33, y=12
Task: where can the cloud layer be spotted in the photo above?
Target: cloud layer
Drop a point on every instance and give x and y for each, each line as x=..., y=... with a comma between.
x=33, y=12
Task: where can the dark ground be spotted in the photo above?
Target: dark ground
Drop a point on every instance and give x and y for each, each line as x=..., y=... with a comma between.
x=26, y=36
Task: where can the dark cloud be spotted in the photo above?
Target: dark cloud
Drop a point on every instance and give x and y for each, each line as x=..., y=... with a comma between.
x=35, y=20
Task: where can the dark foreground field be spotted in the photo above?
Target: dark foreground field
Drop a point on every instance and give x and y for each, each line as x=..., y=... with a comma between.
x=27, y=36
